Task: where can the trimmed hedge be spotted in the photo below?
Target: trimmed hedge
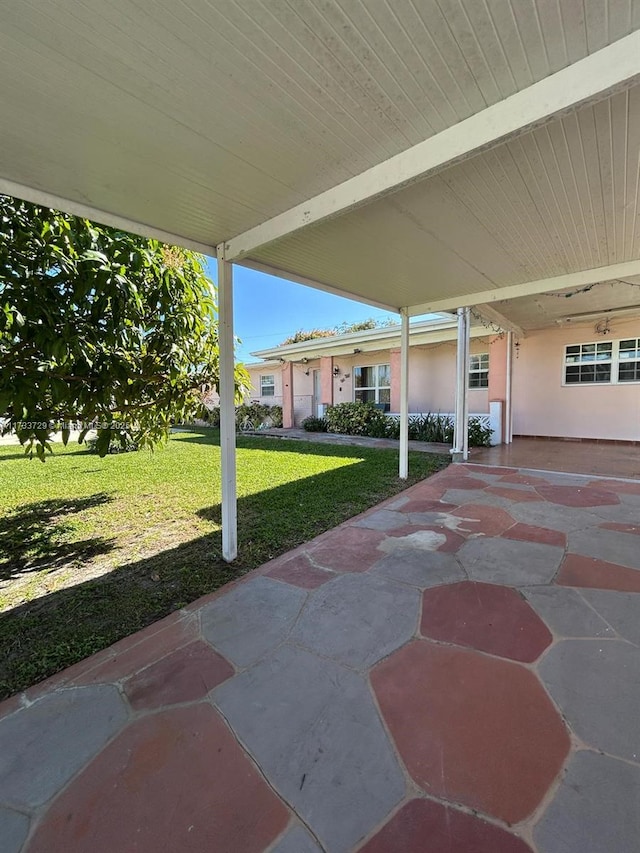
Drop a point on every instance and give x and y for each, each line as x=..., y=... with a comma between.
x=357, y=419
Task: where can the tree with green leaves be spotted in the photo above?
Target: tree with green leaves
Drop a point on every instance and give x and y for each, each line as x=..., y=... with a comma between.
x=101, y=327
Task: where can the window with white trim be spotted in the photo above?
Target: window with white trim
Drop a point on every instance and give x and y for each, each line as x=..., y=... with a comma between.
x=602, y=362
x=629, y=360
x=373, y=384
x=479, y=370
x=267, y=385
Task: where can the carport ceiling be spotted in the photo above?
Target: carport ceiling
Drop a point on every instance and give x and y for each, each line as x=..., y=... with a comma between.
x=198, y=122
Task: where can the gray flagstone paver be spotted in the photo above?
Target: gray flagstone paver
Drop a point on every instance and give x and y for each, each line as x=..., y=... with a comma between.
x=358, y=619
x=313, y=728
x=509, y=561
x=596, y=684
x=566, y=612
x=14, y=828
x=596, y=809
x=252, y=619
x=57, y=735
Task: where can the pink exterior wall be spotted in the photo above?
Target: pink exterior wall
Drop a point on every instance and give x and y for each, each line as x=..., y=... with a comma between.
x=287, y=395
x=326, y=380
x=498, y=375
x=394, y=357
x=255, y=372
x=542, y=405
x=432, y=378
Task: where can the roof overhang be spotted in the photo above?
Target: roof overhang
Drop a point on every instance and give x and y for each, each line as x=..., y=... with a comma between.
x=401, y=171
x=426, y=333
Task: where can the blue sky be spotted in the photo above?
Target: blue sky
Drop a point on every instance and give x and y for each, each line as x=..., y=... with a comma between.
x=268, y=309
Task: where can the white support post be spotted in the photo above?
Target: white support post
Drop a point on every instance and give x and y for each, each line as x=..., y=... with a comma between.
x=508, y=419
x=404, y=396
x=461, y=369
x=465, y=407
x=226, y=389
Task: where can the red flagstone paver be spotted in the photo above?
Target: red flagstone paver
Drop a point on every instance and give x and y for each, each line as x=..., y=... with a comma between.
x=480, y=518
x=426, y=505
x=428, y=490
x=618, y=486
x=185, y=675
x=423, y=826
x=127, y=656
x=489, y=469
x=622, y=528
x=577, y=497
x=174, y=781
x=350, y=549
x=517, y=495
x=531, y=533
x=453, y=541
x=577, y=570
x=299, y=571
x=460, y=481
x=470, y=728
x=524, y=480
x=489, y=618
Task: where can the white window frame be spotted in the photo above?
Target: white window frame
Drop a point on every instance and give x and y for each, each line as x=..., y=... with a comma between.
x=271, y=384
x=375, y=388
x=614, y=361
x=479, y=371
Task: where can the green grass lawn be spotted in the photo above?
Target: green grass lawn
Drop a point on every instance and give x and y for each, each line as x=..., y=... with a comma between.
x=94, y=549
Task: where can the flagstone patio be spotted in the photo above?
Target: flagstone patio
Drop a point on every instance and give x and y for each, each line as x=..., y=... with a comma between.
x=455, y=671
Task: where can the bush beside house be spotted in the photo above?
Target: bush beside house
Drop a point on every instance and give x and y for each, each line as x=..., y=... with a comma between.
x=365, y=419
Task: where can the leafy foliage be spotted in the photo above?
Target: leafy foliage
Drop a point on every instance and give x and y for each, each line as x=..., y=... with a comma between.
x=307, y=335
x=341, y=329
x=313, y=424
x=357, y=419
x=258, y=413
x=365, y=419
x=364, y=325
x=100, y=326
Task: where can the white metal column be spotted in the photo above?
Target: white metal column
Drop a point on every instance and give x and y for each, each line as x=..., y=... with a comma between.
x=404, y=396
x=460, y=432
x=465, y=407
x=508, y=417
x=226, y=389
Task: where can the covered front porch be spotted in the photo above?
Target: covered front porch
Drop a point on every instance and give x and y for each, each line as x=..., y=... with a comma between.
x=496, y=712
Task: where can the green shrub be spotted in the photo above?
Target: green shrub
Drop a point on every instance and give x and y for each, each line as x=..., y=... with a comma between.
x=438, y=428
x=479, y=435
x=312, y=424
x=117, y=444
x=214, y=416
x=365, y=419
x=259, y=412
x=357, y=419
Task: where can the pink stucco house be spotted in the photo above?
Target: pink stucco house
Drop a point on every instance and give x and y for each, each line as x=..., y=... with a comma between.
x=570, y=378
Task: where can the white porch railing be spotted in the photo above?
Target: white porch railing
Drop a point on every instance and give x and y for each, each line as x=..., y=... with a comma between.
x=484, y=419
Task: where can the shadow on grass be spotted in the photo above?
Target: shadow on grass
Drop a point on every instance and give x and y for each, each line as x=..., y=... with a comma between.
x=334, y=446
x=35, y=537
x=41, y=637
